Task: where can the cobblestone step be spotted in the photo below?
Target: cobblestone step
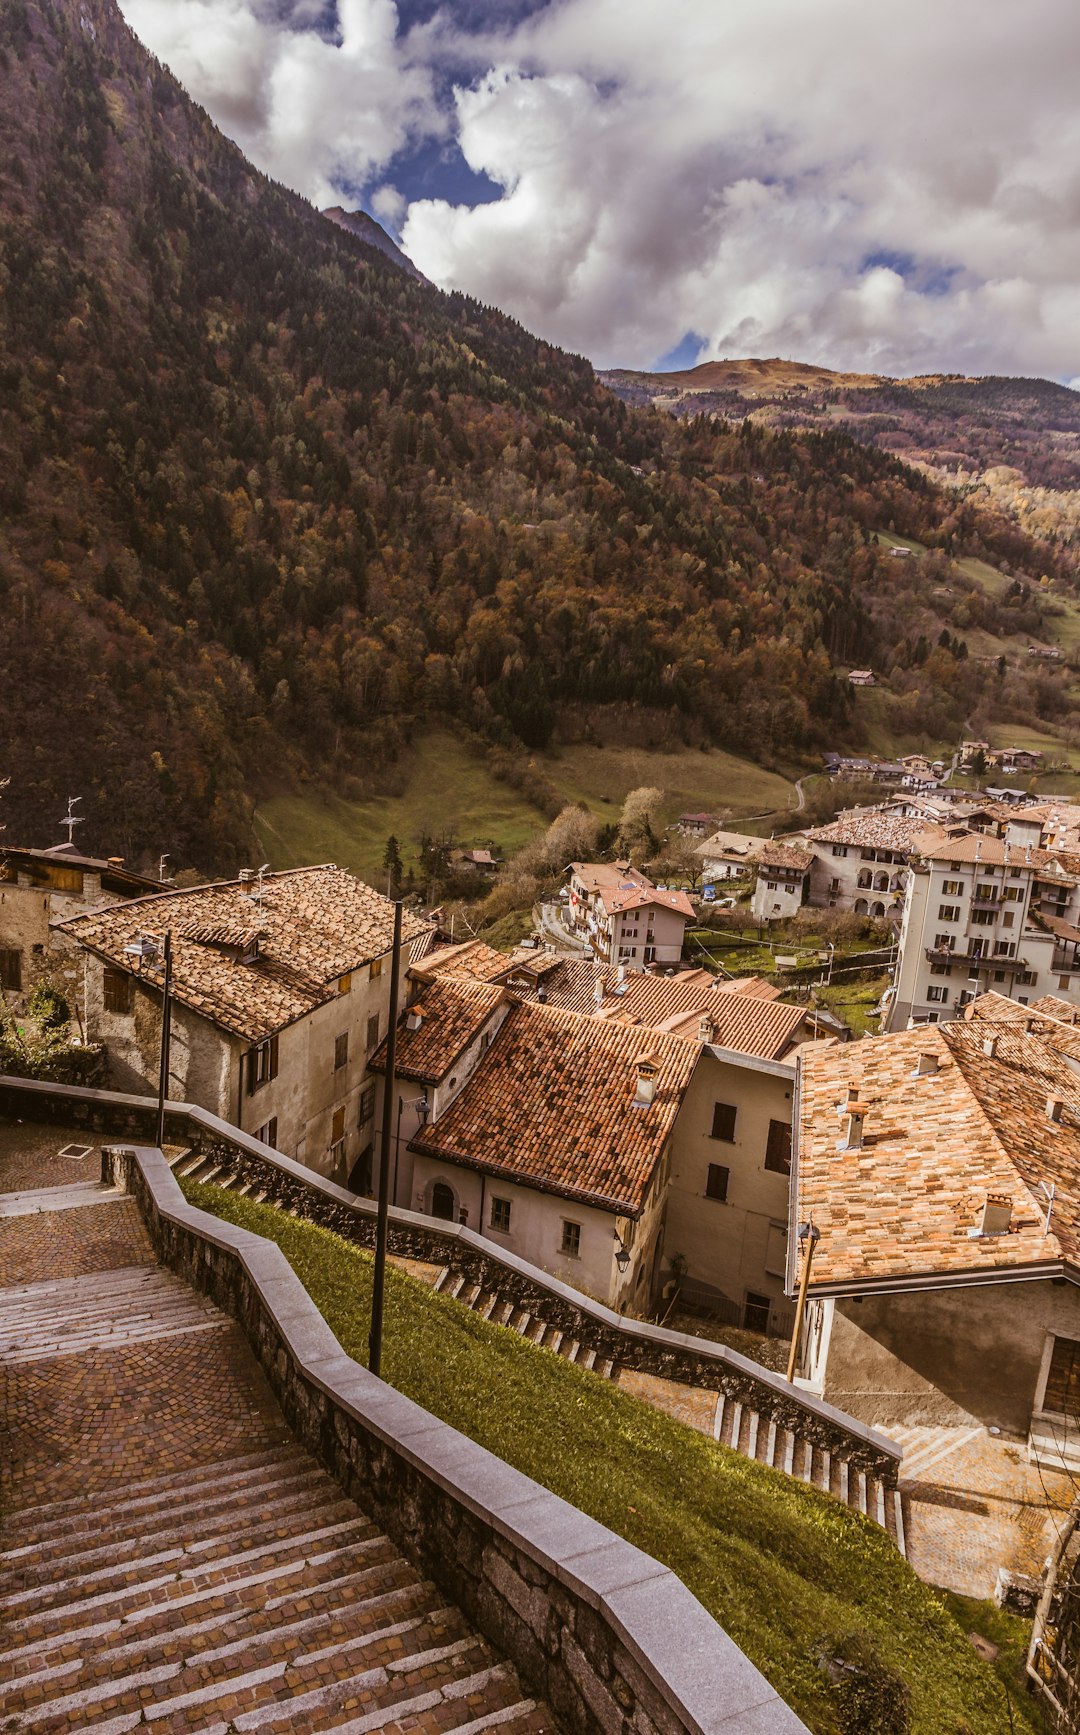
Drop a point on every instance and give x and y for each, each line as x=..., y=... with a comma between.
x=64, y=1198
x=105, y=1310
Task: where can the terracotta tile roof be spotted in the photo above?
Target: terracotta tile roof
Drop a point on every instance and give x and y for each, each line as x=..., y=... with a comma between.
x=785, y=856
x=979, y=846
x=316, y=924
x=935, y=1147
x=758, y=986
x=472, y=958
x=595, y=875
x=452, y=1011
x=896, y=831
x=616, y=899
x=551, y=1104
x=753, y=1023
x=728, y=843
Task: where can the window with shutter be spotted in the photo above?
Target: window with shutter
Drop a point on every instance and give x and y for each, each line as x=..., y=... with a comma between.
x=11, y=969
x=1062, y=1395
x=716, y=1182
x=723, y=1121
x=118, y=993
x=778, y=1148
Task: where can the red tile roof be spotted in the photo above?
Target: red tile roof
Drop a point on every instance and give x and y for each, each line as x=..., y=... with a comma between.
x=315, y=925
x=551, y=1104
x=616, y=899
x=908, y=1203
x=452, y=1012
x=472, y=958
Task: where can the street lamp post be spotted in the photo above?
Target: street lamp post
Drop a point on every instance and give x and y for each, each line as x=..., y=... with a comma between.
x=809, y=1236
x=378, y=1284
x=147, y=949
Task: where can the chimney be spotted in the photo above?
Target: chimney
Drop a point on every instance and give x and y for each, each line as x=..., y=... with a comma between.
x=414, y=1019
x=1055, y=1108
x=990, y=1047
x=855, y=1119
x=705, y=1028
x=620, y=976
x=645, y=1085
x=997, y=1214
x=927, y=1064
x=598, y=994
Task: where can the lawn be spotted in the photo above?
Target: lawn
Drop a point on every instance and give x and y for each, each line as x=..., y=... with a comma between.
x=792, y=1575
x=693, y=781
x=446, y=787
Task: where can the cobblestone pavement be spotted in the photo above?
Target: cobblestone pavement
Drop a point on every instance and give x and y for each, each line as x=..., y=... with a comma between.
x=30, y=1156
x=170, y=1559
x=973, y=1503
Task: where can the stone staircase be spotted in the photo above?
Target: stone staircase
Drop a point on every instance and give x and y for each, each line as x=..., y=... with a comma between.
x=237, y=1591
x=735, y=1425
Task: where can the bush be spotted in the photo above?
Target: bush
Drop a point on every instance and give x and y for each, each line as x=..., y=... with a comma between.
x=49, y=1006
x=871, y=1699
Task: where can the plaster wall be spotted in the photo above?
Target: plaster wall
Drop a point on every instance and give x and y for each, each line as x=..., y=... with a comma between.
x=727, y=1243
x=946, y=1356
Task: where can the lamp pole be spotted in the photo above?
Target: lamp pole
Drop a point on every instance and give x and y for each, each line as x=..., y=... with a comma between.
x=166, y=1041
x=378, y=1285
x=809, y=1236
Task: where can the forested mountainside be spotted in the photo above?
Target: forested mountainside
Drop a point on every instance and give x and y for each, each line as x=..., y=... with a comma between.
x=962, y=428
x=267, y=500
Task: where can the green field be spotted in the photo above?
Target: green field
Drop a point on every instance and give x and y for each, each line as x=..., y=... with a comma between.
x=446, y=787
x=693, y=781
x=790, y=1573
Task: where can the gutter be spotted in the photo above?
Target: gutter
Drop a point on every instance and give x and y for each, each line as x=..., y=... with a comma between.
x=1044, y=1271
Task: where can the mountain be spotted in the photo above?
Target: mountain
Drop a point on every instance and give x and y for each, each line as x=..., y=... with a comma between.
x=269, y=502
x=366, y=229
x=960, y=429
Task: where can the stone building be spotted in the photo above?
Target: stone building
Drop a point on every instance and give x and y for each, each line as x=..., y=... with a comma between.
x=281, y=995
x=40, y=887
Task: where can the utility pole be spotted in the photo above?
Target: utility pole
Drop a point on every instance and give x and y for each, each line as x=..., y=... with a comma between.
x=378, y=1286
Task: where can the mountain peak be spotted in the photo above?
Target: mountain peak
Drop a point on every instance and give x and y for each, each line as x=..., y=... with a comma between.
x=366, y=229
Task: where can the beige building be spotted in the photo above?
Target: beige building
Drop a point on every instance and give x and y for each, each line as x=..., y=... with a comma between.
x=623, y=917
x=783, y=881
x=941, y=1170
x=39, y=887
x=281, y=995
x=725, y=855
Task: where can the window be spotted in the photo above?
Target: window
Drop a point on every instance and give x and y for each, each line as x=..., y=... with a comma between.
x=1062, y=1395
x=723, y=1122
x=839, y=849
x=571, y=1239
x=983, y=918
x=1024, y=978
x=366, y=1107
x=1008, y=919
x=985, y=892
x=776, y=1250
x=341, y=1050
x=1063, y=981
x=267, y=1133
x=1013, y=894
x=716, y=1182
x=934, y=992
x=337, y=1129
x=500, y=1215
x=778, y=1148
x=345, y=982
x=11, y=972
x=949, y=913
x=262, y=1064
x=119, y=991
x=360, y=1174
x=375, y=969
x=943, y=942
x=1004, y=948
x=834, y=885
x=941, y=969
x=373, y=1032
x=756, y=1312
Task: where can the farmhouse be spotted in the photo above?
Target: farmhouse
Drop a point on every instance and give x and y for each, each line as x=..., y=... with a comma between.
x=40, y=887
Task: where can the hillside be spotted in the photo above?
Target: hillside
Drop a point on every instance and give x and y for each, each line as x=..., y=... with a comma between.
x=366, y=229
x=270, y=504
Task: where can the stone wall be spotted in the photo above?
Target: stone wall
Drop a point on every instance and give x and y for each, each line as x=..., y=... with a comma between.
x=632, y=1343
x=613, y=1641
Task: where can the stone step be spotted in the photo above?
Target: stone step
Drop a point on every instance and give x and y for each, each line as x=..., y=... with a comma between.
x=41, y=1321
x=64, y=1198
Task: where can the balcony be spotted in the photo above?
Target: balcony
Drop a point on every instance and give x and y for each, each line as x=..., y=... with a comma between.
x=976, y=961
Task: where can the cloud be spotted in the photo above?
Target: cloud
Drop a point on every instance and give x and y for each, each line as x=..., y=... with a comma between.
x=838, y=182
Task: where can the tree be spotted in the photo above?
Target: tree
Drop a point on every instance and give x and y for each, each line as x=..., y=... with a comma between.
x=636, y=836
x=393, y=866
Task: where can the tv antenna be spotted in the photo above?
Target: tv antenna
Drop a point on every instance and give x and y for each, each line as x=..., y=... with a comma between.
x=72, y=819
x=161, y=869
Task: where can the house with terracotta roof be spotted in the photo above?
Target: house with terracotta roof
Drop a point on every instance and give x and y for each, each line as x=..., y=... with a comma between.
x=280, y=996
x=860, y=860
x=783, y=880
x=558, y=1146
x=725, y=855
x=941, y=1170
x=40, y=887
x=623, y=918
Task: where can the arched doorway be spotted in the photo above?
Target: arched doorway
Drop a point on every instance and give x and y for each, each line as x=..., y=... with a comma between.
x=442, y=1201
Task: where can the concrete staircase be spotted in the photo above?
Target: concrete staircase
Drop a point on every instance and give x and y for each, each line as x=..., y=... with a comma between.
x=735, y=1425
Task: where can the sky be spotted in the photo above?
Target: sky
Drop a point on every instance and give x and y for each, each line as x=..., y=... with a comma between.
x=664, y=182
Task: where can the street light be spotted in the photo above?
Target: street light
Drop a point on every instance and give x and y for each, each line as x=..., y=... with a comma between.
x=423, y=1109
x=148, y=949
x=378, y=1282
x=622, y=1253
x=809, y=1235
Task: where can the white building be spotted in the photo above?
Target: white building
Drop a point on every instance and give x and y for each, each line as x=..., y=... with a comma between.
x=624, y=918
x=783, y=879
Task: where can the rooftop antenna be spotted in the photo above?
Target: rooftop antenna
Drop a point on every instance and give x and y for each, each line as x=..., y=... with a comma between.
x=161, y=868
x=259, y=877
x=4, y=781
x=71, y=820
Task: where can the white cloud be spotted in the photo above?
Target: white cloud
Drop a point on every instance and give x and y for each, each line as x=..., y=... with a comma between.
x=862, y=186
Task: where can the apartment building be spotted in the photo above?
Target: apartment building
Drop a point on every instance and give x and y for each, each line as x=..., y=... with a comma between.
x=623, y=918
x=984, y=912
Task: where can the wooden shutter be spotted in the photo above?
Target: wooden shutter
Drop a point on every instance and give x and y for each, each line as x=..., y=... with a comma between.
x=273, y=1056
x=1062, y=1394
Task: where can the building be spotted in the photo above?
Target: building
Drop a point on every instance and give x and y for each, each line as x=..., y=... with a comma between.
x=985, y=912
x=782, y=881
x=696, y=825
x=941, y=1170
x=725, y=855
x=860, y=860
x=862, y=678
x=281, y=994
x=40, y=887
x=558, y=1147
x=623, y=917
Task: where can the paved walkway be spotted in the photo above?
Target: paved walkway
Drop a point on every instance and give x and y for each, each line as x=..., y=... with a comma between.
x=170, y=1559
